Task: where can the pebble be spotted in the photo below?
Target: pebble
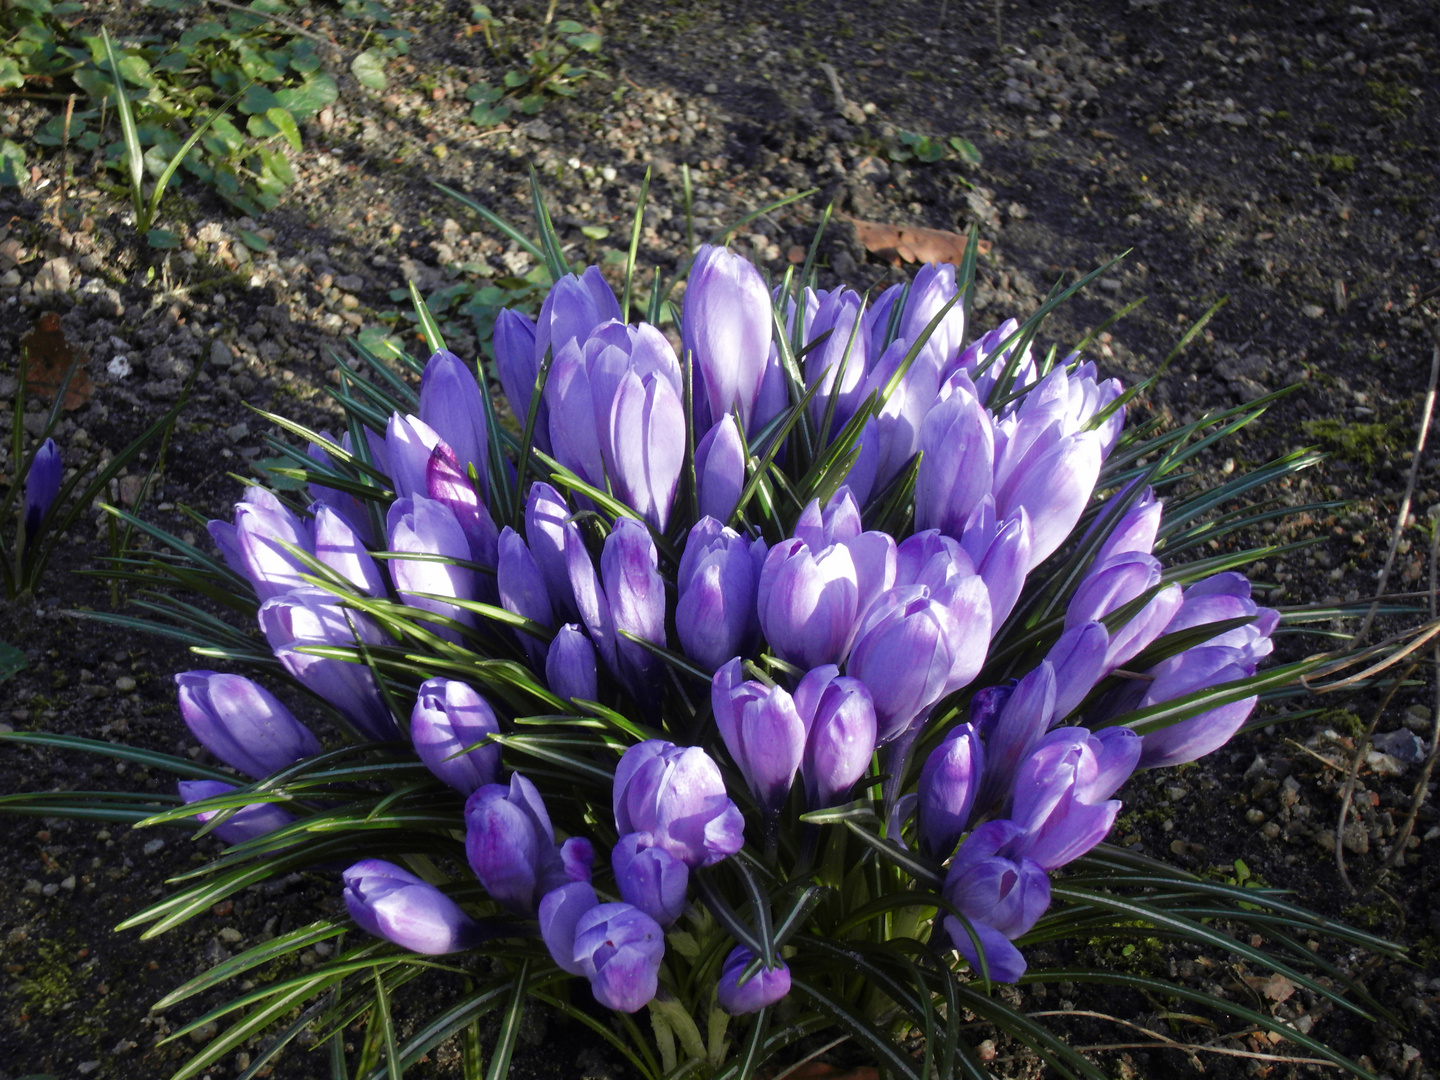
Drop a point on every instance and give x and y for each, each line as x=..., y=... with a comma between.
x=204, y=1033
x=236, y=432
x=1312, y=311
x=125, y=684
x=119, y=367
x=230, y=935
x=85, y=1068
x=153, y=846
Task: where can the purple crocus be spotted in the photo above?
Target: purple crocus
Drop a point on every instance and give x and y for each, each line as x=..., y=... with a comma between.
x=948, y=783
x=245, y=824
x=450, y=402
x=1001, y=897
x=835, y=314
x=1189, y=671
x=546, y=514
x=1053, y=489
x=313, y=617
x=339, y=547
x=572, y=308
x=765, y=987
x=264, y=526
x=1078, y=658
x=618, y=948
x=650, y=878
x=523, y=592
x=448, y=717
x=627, y=595
x=42, y=485
x=762, y=730
x=839, y=717
x=424, y=526
x=516, y=366
x=957, y=442
x=720, y=470
x=677, y=795
x=242, y=723
x=510, y=844
x=808, y=602
x=394, y=904
x=1013, y=731
x=726, y=328
x=717, y=582
x=409, y=442
x=570, y=665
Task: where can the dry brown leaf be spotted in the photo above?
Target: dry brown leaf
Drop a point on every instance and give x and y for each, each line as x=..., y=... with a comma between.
x=1275, y=987
x=48, y=357
x=912, y=243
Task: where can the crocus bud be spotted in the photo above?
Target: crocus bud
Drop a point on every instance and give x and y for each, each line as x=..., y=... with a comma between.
x=394, y=904
x=570, y=665
x=762, y=730
x=635, y=594
x=1192, y=670
x=445, y=483
x=247, y=823
x=451, y=404
x=42, y=485
x=339, y=547
x=839, y=715
x=808, y=602
x=934, y=286
x=448, y=717
x=765, y=987
x=720, y=470
x=511, y=846
x=650, y=878
x=515, y=364
x=409, y=442
x=904, y=651
x=343, y=503
x=1079, y=662
x=242, y=723
x=523, y=591
x=1001, y=897
x=717, y=582
x=263, y=526
x=560, y=910
x=836, y=314
x=726, y=327
x=427, y=527
x=677, y=795
x=314, y=617
x=573, y=307
x=957, y=444
x=1061, y=791
x=546, y=513
x=575, y=432
x=948, y=782
x=619, y=948
x=1053, y=490
x=1014, y=731
x=1136, y=529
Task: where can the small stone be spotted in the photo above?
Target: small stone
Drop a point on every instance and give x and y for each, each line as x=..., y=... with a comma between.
x=54, y=276
x=536, y=129
x=32, y=888
x=1235, y=119
x=1255, y=816
x=125, y=684
x=350, y=283
x=119, y=367
x=85, y=1068
x=711, y=88
x=236, y=432
x=608, y=173
x=153, y=846
x=204, y=1033
x=221, y=354
x=68, y=884
x=230, y=935
x=1312, y=311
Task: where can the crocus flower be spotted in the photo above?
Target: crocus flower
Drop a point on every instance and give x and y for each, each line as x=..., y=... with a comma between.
x=835, y=313
x=42, y=485
x=808, y=602
x=573, y=307
x=1194, y=669
x=762, y=730
x=428, y=527
x=451, y=404
x=618, y=948
x=726, y=327
x=1053, y=489
x=957, y=443
x=650, y=878
x=1079, y=662
x=1136, y=529
x=394, y=904
x=765, y=987
x=717, y=582
x=546, y=513
x=516, y=366
x=247, y=823
x=409, y=442
x=314, y=617
x=570, y=664
x=720, y=469
x=448, y=717
x=560, y=910
x=339, y=547
x=839, y=717
x=242, y=723
x=1002, y=898
x=677, y=795
x=510, y=844
x=263, y=527
x=523, y=592
x=948, y=783
x=446, y=483
x=934, y=286
x=627, y=595
x=1013, y=731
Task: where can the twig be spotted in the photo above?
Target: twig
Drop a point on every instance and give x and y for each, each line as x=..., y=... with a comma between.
x=811, y=1057
x=1419, y=636
x=1318, y=757
x=1352, y=774
x=1422, y=786
x=1173, y=1044
x=1426, y=412
x=64, y=160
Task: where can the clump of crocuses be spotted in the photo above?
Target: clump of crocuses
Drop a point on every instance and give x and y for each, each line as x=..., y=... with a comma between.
x=653, y=658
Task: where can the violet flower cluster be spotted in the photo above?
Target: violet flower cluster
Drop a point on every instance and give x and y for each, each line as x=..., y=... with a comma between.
x=825, y=647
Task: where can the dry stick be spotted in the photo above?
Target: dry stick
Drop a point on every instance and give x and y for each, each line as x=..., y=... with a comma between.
x=1422, y=786
x=1425, y=414
x=1352, y=775
x=1165, y=1042
x=64, y=160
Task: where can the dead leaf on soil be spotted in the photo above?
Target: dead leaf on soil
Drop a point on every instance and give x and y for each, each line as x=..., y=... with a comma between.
x=1275, y=987
x=912, y=243
x=49, y=356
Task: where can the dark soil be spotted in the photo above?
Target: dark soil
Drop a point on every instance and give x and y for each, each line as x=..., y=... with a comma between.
x=1282, y=157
